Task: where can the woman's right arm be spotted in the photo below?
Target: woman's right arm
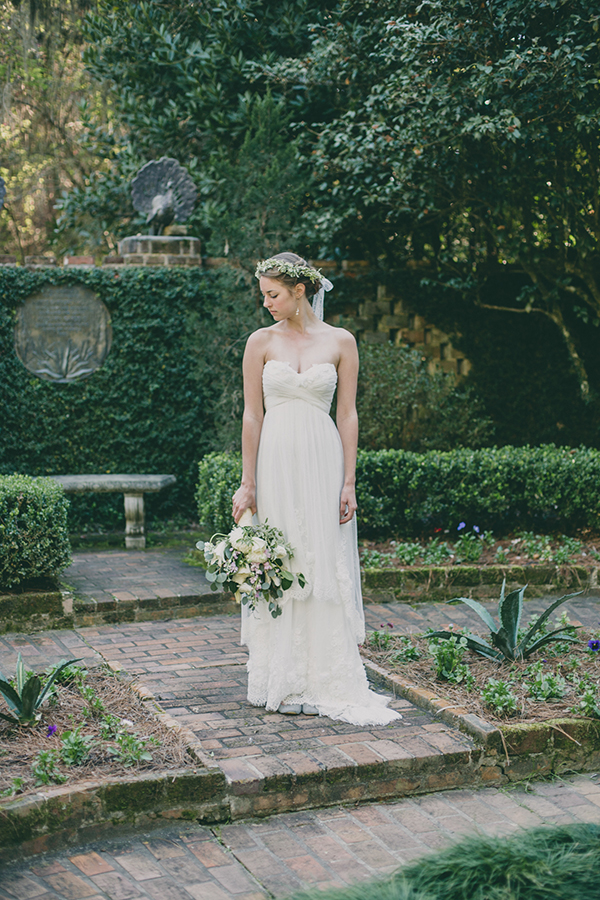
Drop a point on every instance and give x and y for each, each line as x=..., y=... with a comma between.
x=254, y=357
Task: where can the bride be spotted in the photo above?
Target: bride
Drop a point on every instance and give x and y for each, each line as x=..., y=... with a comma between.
x=299, y=473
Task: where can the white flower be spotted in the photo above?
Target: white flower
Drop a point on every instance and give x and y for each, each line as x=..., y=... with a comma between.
x=238, y=540
x=242, y=574
x=243, y=589
x=258, y=551
x=280, y=551
x=219, y=551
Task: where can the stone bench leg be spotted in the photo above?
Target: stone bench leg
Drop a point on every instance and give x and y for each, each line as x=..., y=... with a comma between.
x=135, y=539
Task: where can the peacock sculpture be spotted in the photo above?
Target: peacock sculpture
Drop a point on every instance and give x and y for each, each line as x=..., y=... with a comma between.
x=164, y=191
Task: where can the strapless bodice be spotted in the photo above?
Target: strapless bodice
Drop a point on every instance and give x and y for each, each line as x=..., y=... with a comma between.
x=281, y=383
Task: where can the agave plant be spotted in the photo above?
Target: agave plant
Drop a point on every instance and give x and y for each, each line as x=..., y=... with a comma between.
x=28, y=694
x=504, y=637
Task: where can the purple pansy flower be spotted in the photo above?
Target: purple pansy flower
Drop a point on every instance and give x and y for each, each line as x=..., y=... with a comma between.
x=594, y=644
x=461, y=526
x=52, y=730
x=476, y=529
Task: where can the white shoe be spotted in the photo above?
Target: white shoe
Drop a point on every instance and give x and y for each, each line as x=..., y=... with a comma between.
x=309, y=710
x=290, y=709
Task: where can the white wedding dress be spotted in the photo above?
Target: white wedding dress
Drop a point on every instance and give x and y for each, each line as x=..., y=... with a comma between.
x=309, y=654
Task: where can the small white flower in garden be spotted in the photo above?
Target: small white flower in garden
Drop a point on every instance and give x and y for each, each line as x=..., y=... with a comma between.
x=126, y=722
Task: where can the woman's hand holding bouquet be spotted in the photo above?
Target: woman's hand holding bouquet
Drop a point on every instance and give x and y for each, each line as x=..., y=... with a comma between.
x=249, y=562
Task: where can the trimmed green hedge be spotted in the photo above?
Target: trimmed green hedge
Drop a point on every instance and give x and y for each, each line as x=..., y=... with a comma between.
x=34, y=540
x=402, y=494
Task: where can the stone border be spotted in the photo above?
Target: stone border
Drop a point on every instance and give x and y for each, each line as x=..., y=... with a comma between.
x=43, y=610
x=414, y=584
x=516, y=750
x=46, y=610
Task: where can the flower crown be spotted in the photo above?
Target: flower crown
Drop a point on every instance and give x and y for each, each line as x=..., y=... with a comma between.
x=294, y=270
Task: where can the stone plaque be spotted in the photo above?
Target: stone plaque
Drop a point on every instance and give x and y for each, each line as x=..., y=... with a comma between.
x=63, y=333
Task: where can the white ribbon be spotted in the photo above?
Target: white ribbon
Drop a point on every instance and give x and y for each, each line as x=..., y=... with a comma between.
x=318, y=304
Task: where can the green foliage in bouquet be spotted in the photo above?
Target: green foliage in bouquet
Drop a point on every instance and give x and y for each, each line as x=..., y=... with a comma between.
x=249, y=562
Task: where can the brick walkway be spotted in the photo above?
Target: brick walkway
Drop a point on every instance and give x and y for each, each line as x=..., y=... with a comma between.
x=273, y=858
x=131, y=574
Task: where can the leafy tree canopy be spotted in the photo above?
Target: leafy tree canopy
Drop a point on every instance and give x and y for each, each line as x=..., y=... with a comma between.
x=467, y=139
x=189, y=81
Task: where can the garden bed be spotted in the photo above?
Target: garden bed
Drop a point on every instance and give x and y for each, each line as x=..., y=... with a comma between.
x=93, y=728
x=469, y=547
x=573, y=667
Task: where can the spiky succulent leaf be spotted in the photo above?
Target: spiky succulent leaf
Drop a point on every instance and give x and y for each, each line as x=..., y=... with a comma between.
x=20, y=675
x=11, y=696
x=11, y=719
x=53, y=676
x=479, y=609
x=501, y=640
x=559, y=635
x=523, y=649
x=29, y=698
x=509, y=612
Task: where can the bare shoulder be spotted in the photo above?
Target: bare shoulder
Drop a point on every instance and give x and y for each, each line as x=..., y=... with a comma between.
x=258, y=341
x=346, y=342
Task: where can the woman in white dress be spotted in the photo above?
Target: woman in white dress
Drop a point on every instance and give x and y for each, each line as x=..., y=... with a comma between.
x=299, y=473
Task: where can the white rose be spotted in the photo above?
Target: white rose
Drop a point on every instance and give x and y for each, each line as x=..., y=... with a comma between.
x=280, y=551
x=238, y=540
x=243, y=589
x=258, y=550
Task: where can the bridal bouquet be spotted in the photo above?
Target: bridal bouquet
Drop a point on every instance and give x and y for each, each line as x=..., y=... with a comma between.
x=249, y=561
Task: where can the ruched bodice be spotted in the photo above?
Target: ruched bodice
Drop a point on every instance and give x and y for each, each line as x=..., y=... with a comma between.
x=282, y=383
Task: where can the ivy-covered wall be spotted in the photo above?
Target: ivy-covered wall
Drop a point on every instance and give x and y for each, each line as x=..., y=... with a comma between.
x=144, y=410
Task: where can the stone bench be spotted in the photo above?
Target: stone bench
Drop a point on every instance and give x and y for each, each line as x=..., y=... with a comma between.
x=132, y=486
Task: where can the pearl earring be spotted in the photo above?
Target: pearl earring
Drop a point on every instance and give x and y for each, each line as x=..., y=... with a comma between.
x=297, y=310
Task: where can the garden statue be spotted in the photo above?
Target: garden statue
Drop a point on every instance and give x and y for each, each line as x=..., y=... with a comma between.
x=165, y=192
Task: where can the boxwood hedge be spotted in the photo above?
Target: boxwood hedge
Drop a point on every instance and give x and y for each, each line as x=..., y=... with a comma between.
x=34, y=540
x=401, y=494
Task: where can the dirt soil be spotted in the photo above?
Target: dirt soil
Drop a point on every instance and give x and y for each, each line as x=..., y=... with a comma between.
x=19, y=745
x=570, y=661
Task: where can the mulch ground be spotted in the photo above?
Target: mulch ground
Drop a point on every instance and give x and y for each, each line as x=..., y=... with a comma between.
x=19, y=746
x=572, y=662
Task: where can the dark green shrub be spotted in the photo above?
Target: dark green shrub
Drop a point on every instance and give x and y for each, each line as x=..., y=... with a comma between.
x=219, y=478
x=558, y=862
x=404, y=494
x=402, y=405
x=34, y=541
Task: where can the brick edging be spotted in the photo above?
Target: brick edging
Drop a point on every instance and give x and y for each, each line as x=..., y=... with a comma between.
x=484, y=733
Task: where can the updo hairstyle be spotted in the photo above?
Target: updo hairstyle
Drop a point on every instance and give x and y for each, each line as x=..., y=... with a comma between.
x=311, y=287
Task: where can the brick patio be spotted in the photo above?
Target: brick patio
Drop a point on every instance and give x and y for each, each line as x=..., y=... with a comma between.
x=259, y=860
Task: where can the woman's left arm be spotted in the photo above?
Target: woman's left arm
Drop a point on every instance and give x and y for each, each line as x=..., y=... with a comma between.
x=347, y=422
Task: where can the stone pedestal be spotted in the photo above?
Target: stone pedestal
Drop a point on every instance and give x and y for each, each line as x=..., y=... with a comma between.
x=135, y=539
x=160, y=250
